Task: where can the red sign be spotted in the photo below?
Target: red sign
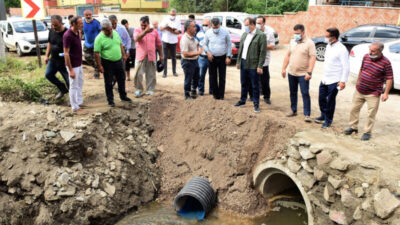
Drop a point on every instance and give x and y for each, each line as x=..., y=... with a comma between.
x=35, y=9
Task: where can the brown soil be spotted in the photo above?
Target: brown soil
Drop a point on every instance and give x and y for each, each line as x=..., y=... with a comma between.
x=215, y=140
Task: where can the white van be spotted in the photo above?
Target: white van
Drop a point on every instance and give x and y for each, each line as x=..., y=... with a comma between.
x=18, y=35
x=234, y=21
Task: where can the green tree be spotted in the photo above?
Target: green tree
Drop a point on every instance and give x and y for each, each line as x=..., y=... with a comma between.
x=13, y=3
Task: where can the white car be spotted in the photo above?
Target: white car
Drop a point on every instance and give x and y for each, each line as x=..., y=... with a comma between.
x=234, y=22
x=391, y=51
x=18, y=35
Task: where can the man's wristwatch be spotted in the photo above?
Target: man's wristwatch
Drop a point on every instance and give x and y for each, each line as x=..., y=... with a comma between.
x=309, y=73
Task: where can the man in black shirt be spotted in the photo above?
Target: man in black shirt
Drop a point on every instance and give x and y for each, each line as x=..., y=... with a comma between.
x=56, y=63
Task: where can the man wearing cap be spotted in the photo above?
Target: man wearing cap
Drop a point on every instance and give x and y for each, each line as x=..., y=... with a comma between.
x=146, y=41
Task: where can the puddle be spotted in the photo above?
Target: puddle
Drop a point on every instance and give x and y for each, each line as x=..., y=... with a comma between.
x=161, y=213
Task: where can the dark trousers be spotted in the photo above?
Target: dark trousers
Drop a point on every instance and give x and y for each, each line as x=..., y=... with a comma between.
x=294, y=83
x=203, y=66
x=113, y=70
x=51, y=70
x=218, y=76
x=191, y=70
x=266, y=90
x=171, y=48
x=249, y=78
x=327, y=101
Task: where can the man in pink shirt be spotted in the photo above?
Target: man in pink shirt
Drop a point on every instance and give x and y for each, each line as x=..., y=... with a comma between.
x=147, y=39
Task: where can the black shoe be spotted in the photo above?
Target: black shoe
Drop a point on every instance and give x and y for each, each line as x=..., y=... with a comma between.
x=365, y=137
x=256, y=109
x=59, y=95
x=350, y=130
x=268, y=101
x=188, y=98
x=126, y=99
x=325, y=125
x=175, y=74
x=164, y=75
x=201, y=93
x=111, y=104
x=319, y=120
x=239, y=104
x=193, y=94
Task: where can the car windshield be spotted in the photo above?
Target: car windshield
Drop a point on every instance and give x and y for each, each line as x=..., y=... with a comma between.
x=27, y=27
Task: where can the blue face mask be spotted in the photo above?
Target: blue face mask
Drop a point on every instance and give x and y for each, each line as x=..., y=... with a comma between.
x=297, y=37
x=247, y=29
x=216, y=30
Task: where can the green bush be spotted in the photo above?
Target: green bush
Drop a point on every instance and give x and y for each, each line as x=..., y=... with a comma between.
x=16, y=89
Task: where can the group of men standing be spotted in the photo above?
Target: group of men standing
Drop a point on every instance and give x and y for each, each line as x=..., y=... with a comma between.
x=113, y=49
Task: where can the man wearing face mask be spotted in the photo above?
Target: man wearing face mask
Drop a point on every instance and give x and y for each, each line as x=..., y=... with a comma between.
x=203, y=61
x=56, y=63
x=217, y=44
x=250, y=61
x=336, y=72
x=91, y=28
x=265, y=87
x=301, y=59
x=375, y=70
x=190, y=53
x=170, y=28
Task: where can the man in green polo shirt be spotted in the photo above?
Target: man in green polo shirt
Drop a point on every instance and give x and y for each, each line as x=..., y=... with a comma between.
x=109, y=54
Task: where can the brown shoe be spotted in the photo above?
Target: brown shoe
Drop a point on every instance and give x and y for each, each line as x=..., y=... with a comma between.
x=291, y=114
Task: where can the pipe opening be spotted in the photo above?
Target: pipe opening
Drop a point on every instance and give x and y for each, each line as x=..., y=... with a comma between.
x=189, y=207
x=281, y=187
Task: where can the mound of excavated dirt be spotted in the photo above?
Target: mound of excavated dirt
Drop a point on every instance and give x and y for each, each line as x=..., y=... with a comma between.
x=56, y=168
x=215, y=140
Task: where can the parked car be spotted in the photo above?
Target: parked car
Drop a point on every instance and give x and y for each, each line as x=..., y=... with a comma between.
x=359, y=35
x=234, y=22
x=18, y=35
x=391, y=51
x=235, y=39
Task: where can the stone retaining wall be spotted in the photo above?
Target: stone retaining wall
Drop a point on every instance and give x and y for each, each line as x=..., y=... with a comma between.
x=341, y=187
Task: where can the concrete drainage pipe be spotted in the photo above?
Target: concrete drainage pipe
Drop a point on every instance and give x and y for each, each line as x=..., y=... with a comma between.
x=195, y=199
x=271, y=179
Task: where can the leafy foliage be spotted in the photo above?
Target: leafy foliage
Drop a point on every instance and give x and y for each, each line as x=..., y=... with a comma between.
x=13, y=3
x=249, y=6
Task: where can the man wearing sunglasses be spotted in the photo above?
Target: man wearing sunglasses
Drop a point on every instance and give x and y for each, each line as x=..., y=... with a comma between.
x=203, y=61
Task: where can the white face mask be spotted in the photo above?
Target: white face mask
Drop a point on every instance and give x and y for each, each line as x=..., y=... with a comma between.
x=327, y=40
x=258, y=26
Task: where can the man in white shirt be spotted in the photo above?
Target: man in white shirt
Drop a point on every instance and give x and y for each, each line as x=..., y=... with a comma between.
x=336, y=73
x=170, y=28
x=269, y=33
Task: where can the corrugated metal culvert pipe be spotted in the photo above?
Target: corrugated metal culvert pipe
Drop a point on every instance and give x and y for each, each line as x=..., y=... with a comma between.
x=196, y=199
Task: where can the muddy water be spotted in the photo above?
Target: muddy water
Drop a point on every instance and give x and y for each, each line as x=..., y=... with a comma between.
x=160, y=213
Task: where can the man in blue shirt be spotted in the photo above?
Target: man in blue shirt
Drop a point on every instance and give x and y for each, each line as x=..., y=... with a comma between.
x=217, y=44
x=203, y=61
x=91, y=28
x=124, y=35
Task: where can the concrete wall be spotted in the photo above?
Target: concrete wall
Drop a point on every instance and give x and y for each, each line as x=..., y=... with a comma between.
x=318, y=18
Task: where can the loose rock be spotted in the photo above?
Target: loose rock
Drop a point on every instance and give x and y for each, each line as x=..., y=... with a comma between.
x=385, y=203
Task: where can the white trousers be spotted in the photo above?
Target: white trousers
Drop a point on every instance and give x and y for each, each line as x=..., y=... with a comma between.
x=75, y=88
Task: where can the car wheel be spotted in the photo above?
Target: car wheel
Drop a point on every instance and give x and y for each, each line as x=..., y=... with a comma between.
x=19, y=51
x=321, y=52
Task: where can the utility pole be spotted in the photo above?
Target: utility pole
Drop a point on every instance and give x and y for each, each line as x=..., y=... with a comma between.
x=2, y=45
